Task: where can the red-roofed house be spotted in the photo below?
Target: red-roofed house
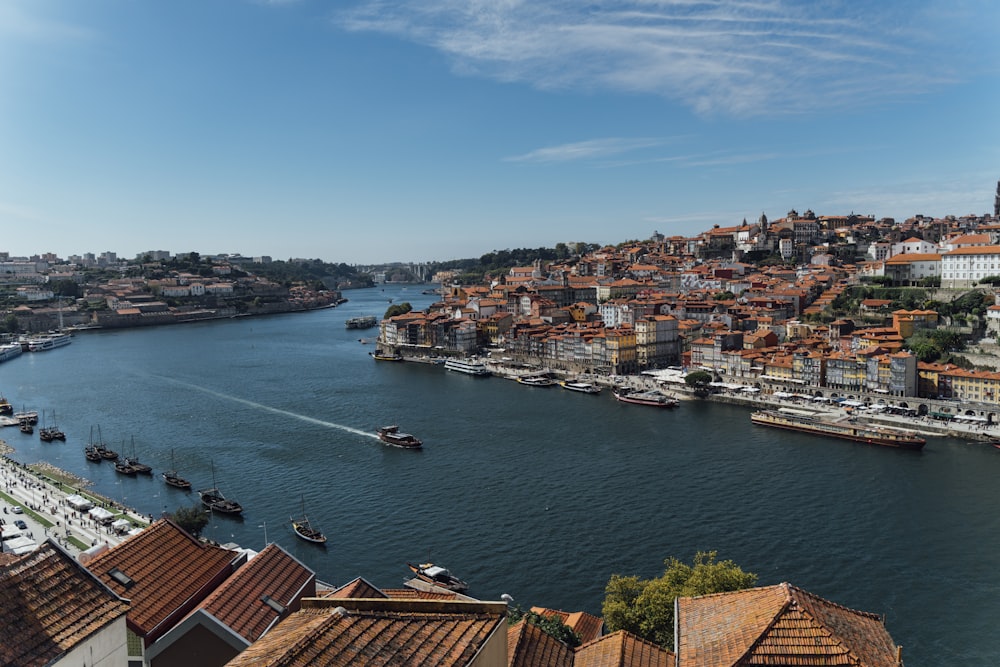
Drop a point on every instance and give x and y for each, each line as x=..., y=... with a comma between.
x=238, y=613
x=165, y=573
x=778, y=625
x=54, y=612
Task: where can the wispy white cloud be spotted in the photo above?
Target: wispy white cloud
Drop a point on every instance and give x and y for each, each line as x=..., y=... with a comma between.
x=585, y=150
x=20, y=20
x=734, y=57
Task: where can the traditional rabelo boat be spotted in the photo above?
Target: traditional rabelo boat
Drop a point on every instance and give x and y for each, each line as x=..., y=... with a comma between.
x=438, y=576
x=123, y=467
x=843, y=429
x=390, y=435
x=304, y=528
x=215, y=501
x=133, y=461
x=172, y=478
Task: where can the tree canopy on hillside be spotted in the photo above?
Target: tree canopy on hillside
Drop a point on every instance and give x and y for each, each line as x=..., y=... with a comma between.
x=645, y=607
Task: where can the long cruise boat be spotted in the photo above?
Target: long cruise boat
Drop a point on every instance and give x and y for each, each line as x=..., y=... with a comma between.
x=845, y=430
x=467, y=366
x=49, y=342
x=9, y=351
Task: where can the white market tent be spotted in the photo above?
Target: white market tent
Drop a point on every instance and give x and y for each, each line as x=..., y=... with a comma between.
x=78, y=502
x=101, y=515
x=121, y=525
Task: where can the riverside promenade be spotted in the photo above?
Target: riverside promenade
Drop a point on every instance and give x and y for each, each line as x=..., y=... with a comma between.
x=41, y=491
x=744, y=395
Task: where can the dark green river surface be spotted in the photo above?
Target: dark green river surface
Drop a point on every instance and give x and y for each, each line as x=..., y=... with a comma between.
x=540, y=493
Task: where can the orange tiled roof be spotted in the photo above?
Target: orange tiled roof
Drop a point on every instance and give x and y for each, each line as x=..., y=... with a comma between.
x=170, y=572
x=778, y=625
x=375, y=633
x=358, y=588
x=273, y=572
x=622, y=649
x=50, y=604
x=528, y=646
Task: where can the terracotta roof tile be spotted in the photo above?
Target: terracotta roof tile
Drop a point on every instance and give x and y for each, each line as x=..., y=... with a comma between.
x=170, y=572
x=778, y=625
x=50, y=604
x=622, y=649
x=330, y=635
x=358, y=588
x=529, y=646
x=239, y=602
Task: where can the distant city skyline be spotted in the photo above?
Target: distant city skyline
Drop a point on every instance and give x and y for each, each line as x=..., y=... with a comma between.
x=377, y=131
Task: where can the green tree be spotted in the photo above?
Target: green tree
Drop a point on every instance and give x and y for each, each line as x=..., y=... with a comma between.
x=645, y=607
x=397, y=309
x=550, y=625
x=192, y=519
x=698, y=379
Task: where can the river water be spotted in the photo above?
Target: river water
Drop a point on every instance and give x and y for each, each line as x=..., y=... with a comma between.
x=540, y=493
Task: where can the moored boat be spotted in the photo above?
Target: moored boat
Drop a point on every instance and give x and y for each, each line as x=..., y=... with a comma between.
x=10, y=350
x=651, y=398
x=582, y=387
x=844, y=429
x=467, y=366
x=133, y=461
x=122, y=466
x=172, y=478
x=304, y=528
x=215, y=501
x=390, y=435
x=536, y=380
x=438, y=576
x=382, y=356
x=361, y=322
x=5, y=407
x=49, y=342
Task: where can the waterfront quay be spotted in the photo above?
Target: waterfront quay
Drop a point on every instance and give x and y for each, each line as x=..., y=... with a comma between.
x=941, y=418
x=41, y=493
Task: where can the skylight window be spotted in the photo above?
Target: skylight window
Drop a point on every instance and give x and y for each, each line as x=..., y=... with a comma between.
x=273, y=604
x=121, y=577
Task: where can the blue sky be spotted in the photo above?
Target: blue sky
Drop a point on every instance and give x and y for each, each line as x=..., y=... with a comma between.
x=379, y=130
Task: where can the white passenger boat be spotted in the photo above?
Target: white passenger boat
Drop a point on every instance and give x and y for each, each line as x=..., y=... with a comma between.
x=582, y=387
x=467, y=366
x=49, y=342
x=9, y=351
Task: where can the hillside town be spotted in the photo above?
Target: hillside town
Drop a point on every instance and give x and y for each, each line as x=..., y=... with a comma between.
x=699, y=303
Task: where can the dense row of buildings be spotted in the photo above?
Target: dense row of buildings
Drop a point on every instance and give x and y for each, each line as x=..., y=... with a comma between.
x=691, y=302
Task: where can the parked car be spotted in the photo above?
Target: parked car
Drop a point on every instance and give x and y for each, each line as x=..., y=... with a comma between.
x=21, y=524
x=17, y=509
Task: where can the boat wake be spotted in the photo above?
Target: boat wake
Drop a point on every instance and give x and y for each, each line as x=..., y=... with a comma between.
x=268, y=408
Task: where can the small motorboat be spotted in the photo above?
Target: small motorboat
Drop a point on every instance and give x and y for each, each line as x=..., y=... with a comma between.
x=438, y=576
